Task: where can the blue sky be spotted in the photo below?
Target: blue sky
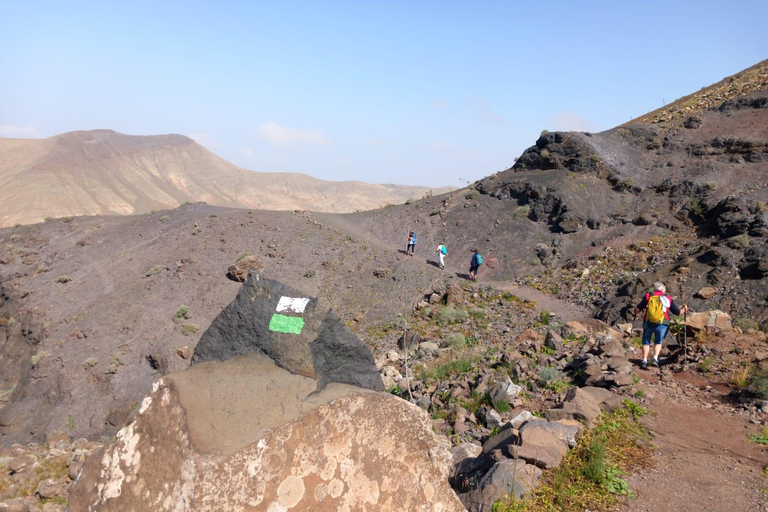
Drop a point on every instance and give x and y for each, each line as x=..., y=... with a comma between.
x=428, y=93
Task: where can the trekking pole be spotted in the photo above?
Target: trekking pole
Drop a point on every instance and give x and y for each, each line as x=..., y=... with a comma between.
x=685, y=336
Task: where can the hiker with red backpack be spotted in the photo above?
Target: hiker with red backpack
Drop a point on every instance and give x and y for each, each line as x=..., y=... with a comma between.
x=656, y=306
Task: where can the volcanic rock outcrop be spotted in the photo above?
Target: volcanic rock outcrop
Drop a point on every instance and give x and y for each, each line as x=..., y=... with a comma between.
x=266, y=420
x=301, y=334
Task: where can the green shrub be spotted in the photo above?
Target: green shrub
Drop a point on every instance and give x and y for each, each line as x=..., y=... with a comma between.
x=243, y=255
x=501, y=406
x=117, y=361
x=189, y=329
x=63, y=279
x=594, y=469
x=449, y=315
x=738, y=242
x=154, y=270
x=476, y=312
x=760, y=438
x=164, y=218
x=309, y=273
x=39, y=357
x=90, y=363
x=472, y=194
x=181, y=314
x=444, y=368
x=522, y=212
x=456, y=340
x=758, y=382
x=746, y=324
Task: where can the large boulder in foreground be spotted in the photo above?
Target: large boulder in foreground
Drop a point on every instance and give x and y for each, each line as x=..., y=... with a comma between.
x=216, y=438
x=300, y=333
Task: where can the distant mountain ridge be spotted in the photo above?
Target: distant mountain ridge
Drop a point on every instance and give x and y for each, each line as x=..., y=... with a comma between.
x=103, y=172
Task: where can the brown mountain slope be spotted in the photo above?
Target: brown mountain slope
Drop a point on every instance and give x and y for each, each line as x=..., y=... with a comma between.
x=103, y=172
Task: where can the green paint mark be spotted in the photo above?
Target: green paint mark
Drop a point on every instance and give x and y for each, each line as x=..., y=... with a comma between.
x=286, y=324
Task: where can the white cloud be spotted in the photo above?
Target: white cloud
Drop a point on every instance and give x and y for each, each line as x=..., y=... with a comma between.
x=205, y=139
x=565, y=121
x=246, y=152
x=280, y=136
x=9, y=130
x=483, y=113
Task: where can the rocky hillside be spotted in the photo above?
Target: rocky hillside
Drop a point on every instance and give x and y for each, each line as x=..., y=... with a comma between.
x=102, y=172
x=574, y=197
x=750, y=80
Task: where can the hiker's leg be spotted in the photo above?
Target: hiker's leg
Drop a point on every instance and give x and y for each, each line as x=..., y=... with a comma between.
x=647, y=333
x=661, y=331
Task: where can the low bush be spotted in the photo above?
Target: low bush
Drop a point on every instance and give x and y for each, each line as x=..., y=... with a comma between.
x=154, y=270
x=757, y=382
x=590, y=476
x=189, y=329
x=181, y=314
x=449, y=315
x=456, y=340
x=443, y=368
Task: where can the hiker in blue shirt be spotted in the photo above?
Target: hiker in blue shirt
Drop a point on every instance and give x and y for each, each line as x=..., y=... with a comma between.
x=411, y=243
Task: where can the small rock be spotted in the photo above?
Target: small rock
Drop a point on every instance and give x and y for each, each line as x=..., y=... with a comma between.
x=493, y=419
x=482, y=500
x=505, y=391
x=514, y=476
x=240, y=270
x=541, y=447
x=465, y=451
x=707, y=292
x=554, y=341
x=21, y=463
x=184, y=352
x=429, y=348
x=50, y=488
x=520, y=419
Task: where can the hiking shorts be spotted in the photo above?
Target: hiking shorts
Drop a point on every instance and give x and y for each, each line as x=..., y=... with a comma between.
x=473, y=268
x=657, y=331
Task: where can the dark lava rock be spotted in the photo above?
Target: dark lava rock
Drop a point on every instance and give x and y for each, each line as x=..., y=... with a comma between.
x=692, y=122
x=301, y=334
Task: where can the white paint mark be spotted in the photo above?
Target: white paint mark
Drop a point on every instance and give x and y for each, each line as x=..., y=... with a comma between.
x=295, y=304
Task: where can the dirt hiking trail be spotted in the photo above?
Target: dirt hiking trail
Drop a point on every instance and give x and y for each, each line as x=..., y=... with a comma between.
x=703, y=462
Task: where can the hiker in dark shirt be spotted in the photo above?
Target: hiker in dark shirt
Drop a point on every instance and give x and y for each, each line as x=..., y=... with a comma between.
x=656, y=307
x=474, y=264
